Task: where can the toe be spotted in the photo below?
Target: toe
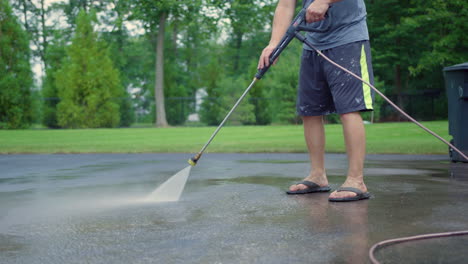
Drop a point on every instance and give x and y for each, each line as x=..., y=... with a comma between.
x=297, y=187
x=347, y=194
x=343, y=194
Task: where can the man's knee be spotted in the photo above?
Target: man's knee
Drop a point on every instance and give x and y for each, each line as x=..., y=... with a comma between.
x=305, y=118
x=312, y=120
x=350, y=116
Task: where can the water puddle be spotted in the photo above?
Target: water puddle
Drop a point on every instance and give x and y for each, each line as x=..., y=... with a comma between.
x=274, y=161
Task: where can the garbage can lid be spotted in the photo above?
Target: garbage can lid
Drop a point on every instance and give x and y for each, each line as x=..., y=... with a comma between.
x=462, y=66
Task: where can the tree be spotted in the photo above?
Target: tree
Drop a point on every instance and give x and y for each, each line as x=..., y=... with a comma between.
x=259, y=98
x=247, y=19
x=391, y=44
x=189, y=34
x=211, y=108
x=435, y=20
x=412, y=41
x=281, y=82
x=137, y=71
x=88, y=84
x=33, y=16
x=232, y=89
x=150, y=11
x=222, y=76
x=181, y=32
x=118, y=39
x=15, y=72
x=73, y=8
x=55, y=53
x=159, y=87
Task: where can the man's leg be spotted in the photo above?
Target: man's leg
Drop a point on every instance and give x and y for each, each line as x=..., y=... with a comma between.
x=355, y=140
x=315, y=138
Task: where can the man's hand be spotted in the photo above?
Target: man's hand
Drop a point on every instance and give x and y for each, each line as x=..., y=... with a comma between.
x=317, y=10
x=283, y=15
x=264, y=60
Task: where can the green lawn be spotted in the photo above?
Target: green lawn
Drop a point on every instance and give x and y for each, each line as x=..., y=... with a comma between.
x=403, y=138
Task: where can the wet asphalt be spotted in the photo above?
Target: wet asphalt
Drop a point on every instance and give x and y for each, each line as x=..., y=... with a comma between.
x=87, y=208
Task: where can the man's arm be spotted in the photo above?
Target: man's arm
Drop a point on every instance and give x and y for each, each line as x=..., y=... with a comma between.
x=283, y=16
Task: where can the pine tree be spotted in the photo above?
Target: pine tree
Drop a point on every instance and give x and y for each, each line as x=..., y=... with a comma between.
x=55, y=55
x=211, y=108
x=88, y=84
x=15, y=72
x=281, y=83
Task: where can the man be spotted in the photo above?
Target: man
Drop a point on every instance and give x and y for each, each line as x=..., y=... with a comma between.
x=325, y=89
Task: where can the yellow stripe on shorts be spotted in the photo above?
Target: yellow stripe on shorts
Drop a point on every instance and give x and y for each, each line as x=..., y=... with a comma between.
x=366, y=90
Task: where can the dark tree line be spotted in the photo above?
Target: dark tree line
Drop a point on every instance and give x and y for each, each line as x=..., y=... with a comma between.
x=107, y=61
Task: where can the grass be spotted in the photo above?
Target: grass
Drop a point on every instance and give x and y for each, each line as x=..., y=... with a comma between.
x=401, y=138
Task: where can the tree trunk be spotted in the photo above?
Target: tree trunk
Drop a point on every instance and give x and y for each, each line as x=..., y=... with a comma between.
x=159, y=86
x=44, y=36
x=398, y=87
x=84, y=5
x=1, y=38
x=238, y=45
x=25, y=14
x=174, y=38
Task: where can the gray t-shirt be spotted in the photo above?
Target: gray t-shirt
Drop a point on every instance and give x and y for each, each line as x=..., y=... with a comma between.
x=348, y=24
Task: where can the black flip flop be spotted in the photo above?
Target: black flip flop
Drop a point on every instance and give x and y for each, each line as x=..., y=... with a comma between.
x=360, y=195
x=312, y=187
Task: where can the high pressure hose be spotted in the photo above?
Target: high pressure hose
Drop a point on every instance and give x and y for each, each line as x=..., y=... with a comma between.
x=403, y=239
x=412, y=238
x=307, y=42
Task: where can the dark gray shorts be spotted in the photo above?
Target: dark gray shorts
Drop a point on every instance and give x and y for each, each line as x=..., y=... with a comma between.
x=325, y=89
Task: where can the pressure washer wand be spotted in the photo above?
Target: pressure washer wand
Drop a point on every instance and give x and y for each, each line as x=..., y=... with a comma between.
x=284, y=42
x=297, y=24
x=193, y=161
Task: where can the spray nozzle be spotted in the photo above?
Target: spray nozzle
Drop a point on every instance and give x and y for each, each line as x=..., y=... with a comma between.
x=193, y=160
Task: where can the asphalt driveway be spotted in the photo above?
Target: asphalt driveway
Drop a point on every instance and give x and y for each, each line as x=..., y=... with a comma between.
x=87, y=208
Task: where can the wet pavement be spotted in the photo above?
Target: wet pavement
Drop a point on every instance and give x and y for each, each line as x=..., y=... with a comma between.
x=88, y=208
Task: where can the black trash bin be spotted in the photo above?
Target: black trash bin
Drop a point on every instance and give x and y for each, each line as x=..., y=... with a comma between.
x=456, y=83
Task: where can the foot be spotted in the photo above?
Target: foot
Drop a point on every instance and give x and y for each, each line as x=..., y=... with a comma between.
x=320, y=180
x=349, y=183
